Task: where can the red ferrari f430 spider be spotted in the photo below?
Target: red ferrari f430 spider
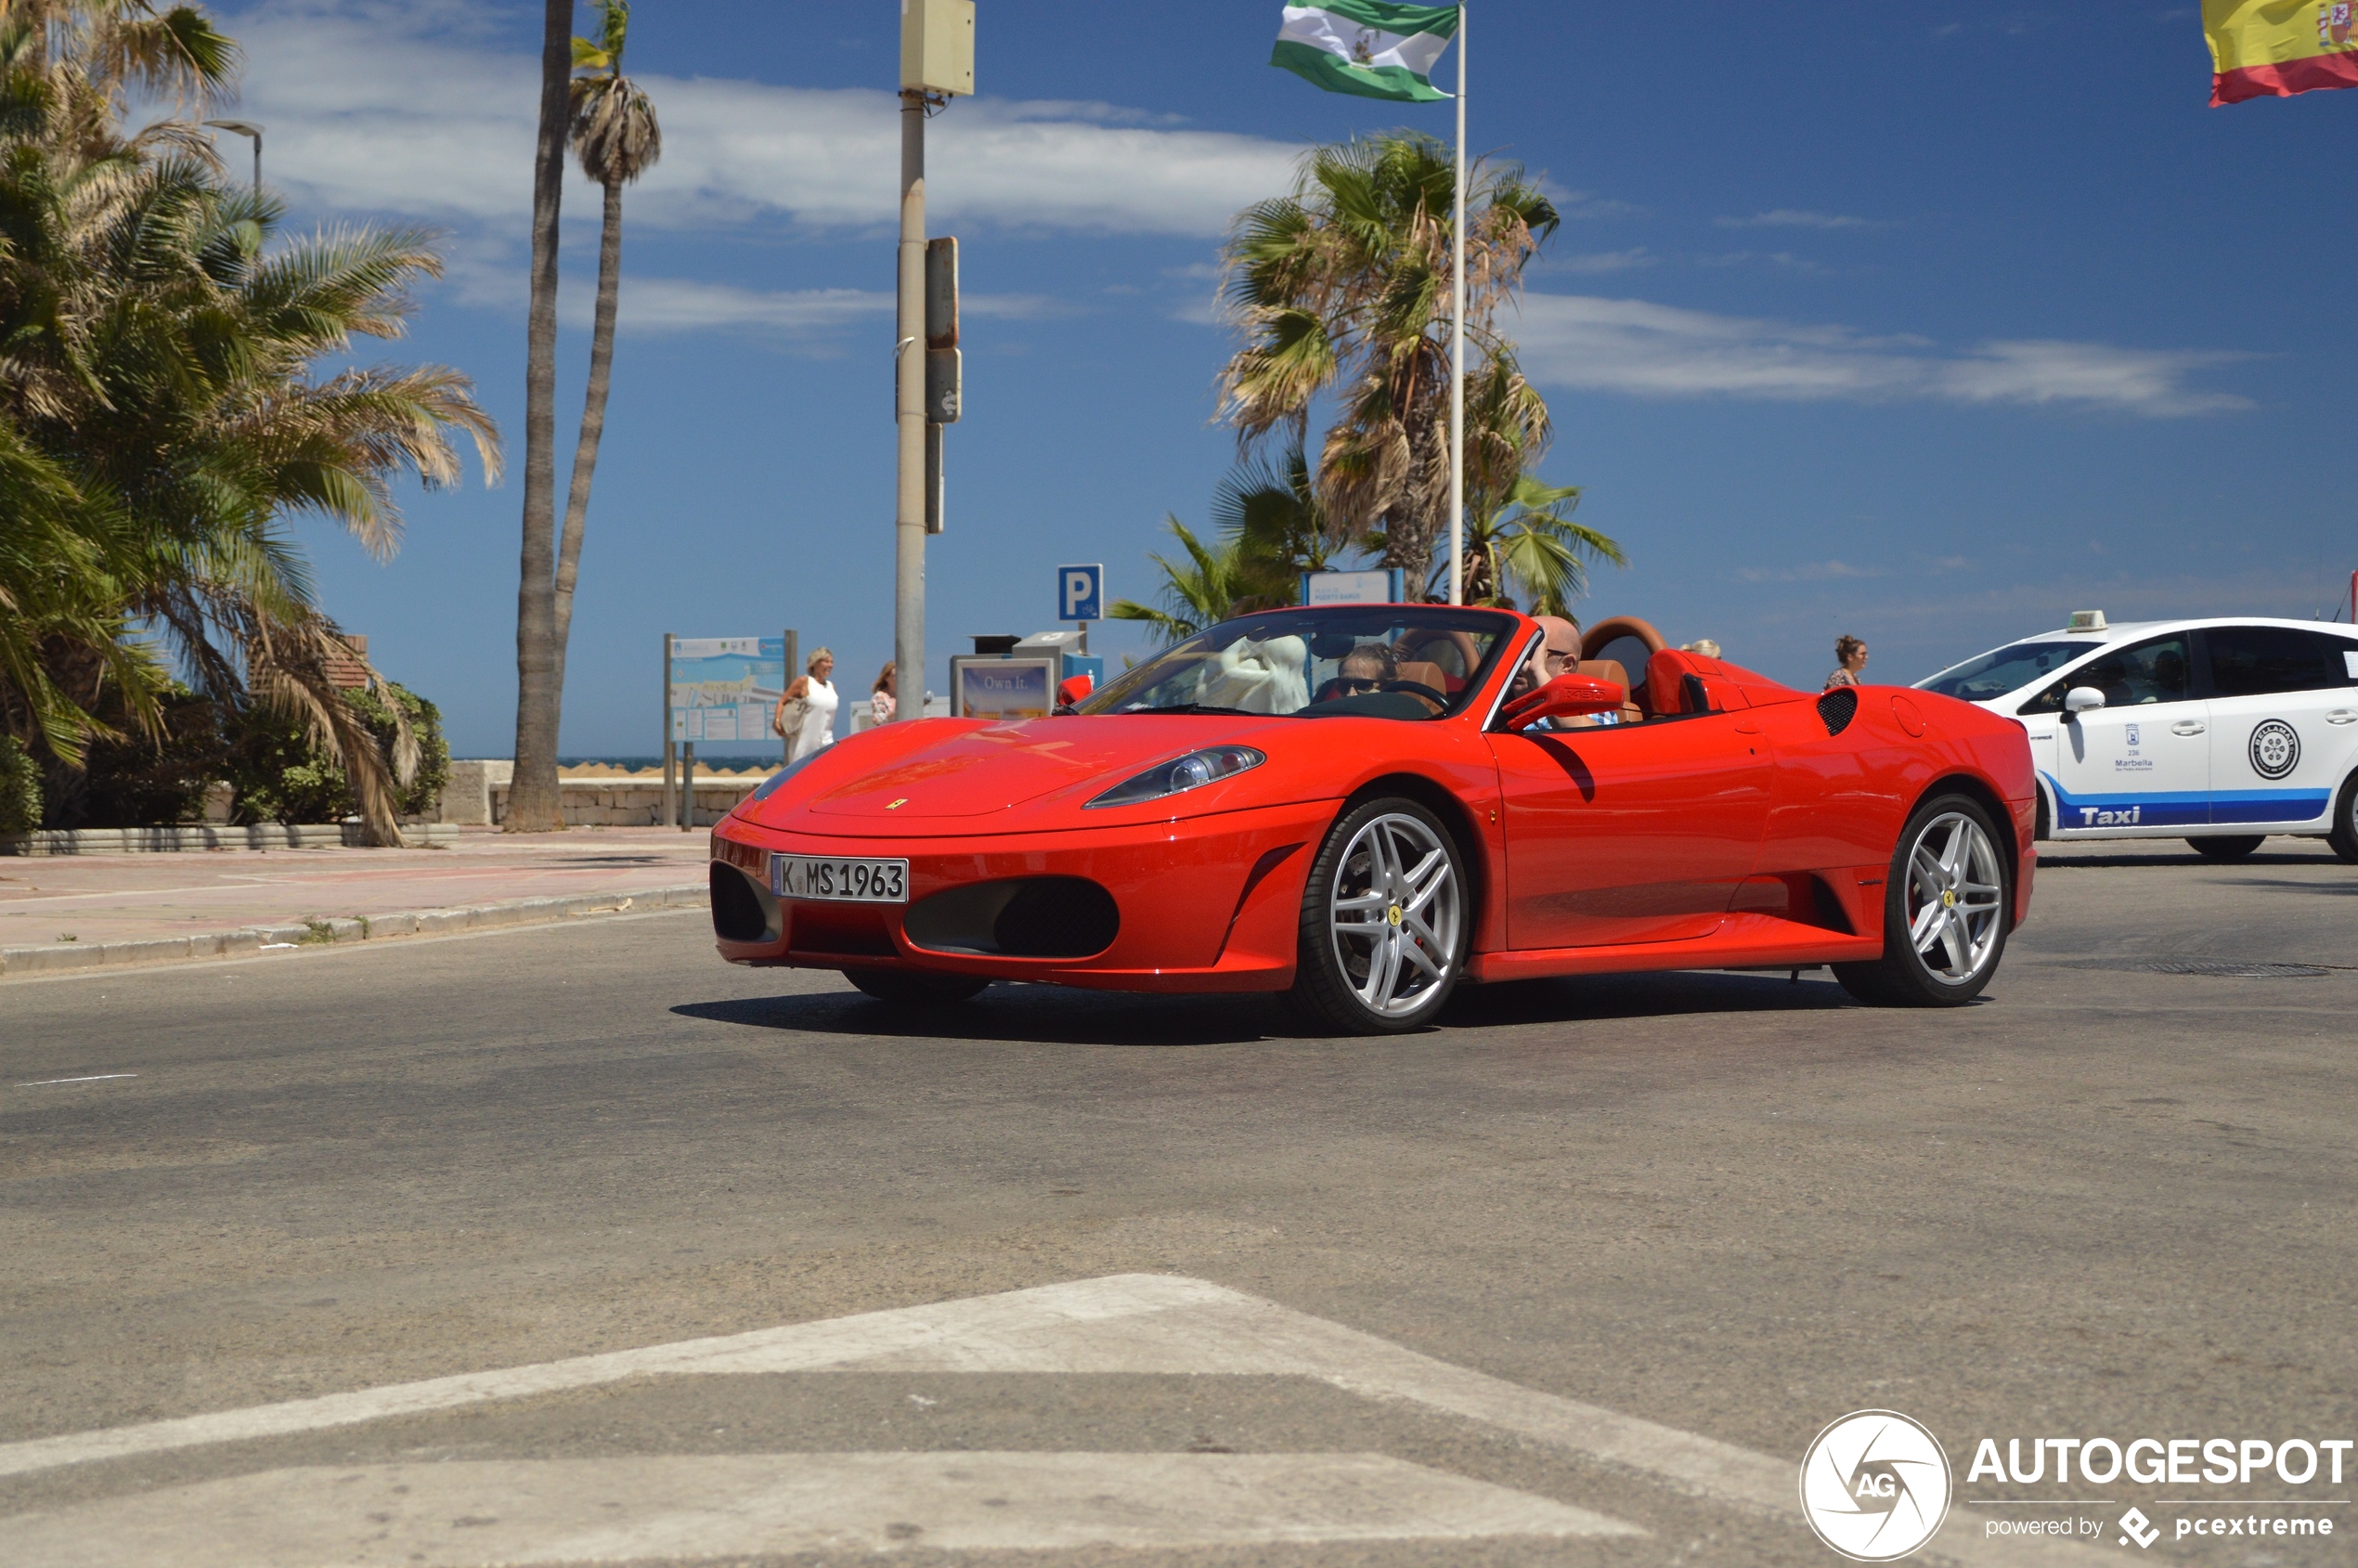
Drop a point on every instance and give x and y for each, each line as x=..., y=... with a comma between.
x=1370, y=805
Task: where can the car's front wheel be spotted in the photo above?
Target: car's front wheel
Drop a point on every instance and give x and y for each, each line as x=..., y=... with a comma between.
x=2231, y=848
x=1385, y=921
x=913, y=987
x=2344, y=835
x=1945, y=907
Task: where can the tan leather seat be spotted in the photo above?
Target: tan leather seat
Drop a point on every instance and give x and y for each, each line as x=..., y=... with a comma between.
x=1429, y=676
x=1610, y=670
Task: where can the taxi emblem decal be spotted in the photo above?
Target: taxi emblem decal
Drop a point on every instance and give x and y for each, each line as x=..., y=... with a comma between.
x=2275, y=749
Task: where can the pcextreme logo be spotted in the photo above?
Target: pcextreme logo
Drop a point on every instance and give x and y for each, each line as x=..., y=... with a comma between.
x=1876, y=1485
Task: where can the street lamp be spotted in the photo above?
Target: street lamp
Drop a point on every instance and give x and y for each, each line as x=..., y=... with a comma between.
x=245, y=128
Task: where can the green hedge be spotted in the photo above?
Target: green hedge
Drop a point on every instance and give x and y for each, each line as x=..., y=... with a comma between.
x=20, y=788
x=280, y=778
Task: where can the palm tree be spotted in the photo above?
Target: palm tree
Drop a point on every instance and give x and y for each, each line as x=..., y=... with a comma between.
x=532, y=802
x=1270, y=510
x=1342, y=287
x=1201, y=593
x=617, y=139
x=1527, y=547
x=159, y=420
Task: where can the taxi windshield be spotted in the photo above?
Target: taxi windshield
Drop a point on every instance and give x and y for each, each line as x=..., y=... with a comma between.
x=1377, y=661
x=2001, y=670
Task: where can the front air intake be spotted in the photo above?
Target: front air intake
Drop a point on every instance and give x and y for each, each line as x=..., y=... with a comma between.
x=1838, y=707
x=737, y=914
x=1022, y=917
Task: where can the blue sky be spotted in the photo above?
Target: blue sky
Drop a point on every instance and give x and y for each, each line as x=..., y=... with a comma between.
x=1926, y=322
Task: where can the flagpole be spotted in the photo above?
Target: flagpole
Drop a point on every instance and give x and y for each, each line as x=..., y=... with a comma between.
x=1457, y=348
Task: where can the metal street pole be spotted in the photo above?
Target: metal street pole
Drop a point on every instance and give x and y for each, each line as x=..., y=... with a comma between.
x=671, y=796
x=245, y=128
x=909, y=412
x=1458, y=350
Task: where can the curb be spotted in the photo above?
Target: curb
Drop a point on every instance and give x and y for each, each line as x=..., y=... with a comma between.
x=65, y=957
x=167, y=840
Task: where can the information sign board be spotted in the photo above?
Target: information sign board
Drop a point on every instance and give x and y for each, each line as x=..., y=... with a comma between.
x=1379, y=587
x=724, y=689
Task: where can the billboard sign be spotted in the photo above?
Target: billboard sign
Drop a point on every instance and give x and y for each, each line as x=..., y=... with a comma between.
x=724, y=689
x=1003, y=689
x=1381, y=587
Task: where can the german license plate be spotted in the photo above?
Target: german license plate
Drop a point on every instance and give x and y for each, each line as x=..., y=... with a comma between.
x=828, y=876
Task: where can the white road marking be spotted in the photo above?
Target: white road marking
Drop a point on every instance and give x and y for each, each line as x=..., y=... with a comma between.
x=94, y=1078
x=462, y=1514
x=1134, y=1323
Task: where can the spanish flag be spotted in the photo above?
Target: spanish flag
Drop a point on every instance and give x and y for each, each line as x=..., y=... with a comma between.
x=2274, y=48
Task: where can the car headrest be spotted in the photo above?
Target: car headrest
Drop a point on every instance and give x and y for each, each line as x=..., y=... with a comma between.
x=1676, y=682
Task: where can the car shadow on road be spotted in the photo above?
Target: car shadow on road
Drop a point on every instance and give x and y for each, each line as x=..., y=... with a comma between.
x=1031, y=1014
x=2259, y=861
x=1052, y=1015
x=1672, y=993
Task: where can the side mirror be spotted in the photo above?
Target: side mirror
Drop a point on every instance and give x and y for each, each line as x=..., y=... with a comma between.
x=1564, y=697
x=1074, y=689
x=2082, y=699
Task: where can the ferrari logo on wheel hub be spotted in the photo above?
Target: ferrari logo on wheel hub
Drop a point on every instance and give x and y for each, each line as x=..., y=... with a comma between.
x=1392, y=915
x=1948, y=898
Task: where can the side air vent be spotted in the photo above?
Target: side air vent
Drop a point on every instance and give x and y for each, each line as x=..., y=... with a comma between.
x=737, y=912
x=1838, y=707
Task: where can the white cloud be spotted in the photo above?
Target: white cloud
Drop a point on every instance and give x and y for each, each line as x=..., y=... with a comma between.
x=1809, y=571
x=1635, y=347
x=1603, y=261
x=1789, y=217
x=405, y=109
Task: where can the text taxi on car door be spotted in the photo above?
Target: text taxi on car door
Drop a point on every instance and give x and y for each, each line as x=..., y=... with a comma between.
x=2219, y=730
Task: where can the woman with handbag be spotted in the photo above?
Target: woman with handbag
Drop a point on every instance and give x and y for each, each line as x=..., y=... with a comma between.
x=806, y=715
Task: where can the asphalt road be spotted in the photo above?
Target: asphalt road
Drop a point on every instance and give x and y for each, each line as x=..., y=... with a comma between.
x=2106, y=1201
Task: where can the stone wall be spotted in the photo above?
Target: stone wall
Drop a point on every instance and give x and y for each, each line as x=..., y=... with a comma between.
x=477, y=796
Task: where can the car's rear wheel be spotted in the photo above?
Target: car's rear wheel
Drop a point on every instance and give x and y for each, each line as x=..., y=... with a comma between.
x=913, y=988
x=1945, y=906
x=2234, y=848
x=1385, y=921
x=2344, y=835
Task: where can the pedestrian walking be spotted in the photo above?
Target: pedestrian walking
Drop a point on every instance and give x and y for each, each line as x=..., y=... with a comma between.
x=806, y=715
x=1850, y=658
x=884, y=697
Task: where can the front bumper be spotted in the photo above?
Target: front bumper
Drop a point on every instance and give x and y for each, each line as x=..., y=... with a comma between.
x=1205, y=903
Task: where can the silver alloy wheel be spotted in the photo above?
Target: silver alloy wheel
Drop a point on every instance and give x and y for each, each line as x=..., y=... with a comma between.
x=1955, y=897
x=1396, y=914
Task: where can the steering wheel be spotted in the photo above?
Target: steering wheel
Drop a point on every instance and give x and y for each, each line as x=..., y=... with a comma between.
x=1598, y=637
x=1469, y=658
x=1420, y=690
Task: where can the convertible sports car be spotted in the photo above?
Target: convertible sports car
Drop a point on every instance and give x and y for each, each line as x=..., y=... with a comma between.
x=1368, y=805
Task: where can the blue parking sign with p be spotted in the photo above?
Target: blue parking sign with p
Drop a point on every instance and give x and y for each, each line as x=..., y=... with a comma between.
x=1081, y=593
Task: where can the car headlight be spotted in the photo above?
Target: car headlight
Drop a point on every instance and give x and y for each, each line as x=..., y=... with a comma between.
x=768, y=786
x=1182, y=774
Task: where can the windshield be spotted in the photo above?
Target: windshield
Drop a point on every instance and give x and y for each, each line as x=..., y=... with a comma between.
x=1378, y=661
x=2003, y=669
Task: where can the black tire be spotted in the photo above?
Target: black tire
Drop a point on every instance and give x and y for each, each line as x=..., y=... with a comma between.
x=914, y=988
x=1902, y=977
x=2233, y=848
x=2344, y=835
x=1416, y=939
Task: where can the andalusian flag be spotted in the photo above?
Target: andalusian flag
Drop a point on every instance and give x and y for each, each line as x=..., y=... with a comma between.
x=2274, y=48
x=1371, y=47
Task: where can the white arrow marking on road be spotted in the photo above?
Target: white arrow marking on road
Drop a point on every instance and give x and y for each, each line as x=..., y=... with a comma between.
x=459, y=1515
x=1137, y=1323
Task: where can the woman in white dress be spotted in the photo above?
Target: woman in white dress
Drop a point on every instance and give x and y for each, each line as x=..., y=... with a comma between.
x=806, y=714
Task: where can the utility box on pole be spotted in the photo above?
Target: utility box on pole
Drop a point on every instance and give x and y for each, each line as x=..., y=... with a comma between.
x=937, y=47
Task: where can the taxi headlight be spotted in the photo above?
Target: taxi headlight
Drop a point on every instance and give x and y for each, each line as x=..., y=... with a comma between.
x=1182, y=774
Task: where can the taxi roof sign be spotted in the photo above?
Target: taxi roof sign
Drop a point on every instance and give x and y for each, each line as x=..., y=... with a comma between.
x=2086, y=620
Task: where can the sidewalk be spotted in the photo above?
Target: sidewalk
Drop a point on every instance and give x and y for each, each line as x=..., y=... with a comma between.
x=115, y=901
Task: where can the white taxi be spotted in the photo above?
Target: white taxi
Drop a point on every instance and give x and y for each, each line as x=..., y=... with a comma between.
x=2219, y=730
